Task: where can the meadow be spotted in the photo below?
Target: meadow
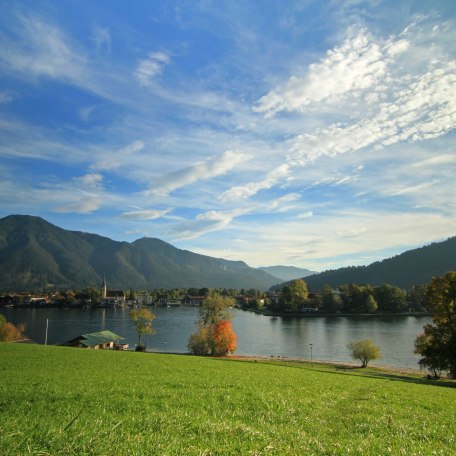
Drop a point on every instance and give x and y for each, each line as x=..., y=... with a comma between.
x=58, y=400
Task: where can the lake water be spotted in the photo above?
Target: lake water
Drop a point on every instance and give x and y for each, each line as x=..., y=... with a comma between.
x=257, y=334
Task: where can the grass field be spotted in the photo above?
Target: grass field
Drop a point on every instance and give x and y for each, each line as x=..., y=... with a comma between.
x=66, y=401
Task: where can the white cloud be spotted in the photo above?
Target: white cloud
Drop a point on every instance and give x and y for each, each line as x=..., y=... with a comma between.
x=203, y=223
x=148, y=69
x=90, y=180
x=204, y=170
x=86, y=205
x=358, y=64
x=419, y=108
x=145, y=214
x=252, y=188
x=445, y=159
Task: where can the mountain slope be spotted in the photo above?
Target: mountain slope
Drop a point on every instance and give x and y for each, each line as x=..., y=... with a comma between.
x=414, y=267
x=35, y=254
x=287, y=272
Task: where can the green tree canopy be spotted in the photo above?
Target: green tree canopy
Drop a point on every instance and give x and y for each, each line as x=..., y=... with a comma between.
x=294, y=294
x=142, y=319
x=437, y=344
x=364, y=351
x=215, y=308
x=390, y=298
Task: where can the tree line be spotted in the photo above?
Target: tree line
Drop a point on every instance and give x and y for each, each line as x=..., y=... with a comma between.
x=295, y=297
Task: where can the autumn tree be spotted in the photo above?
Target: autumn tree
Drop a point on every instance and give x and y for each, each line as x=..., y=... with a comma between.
x=10, y=332
x=215, y=335
x=437, y=345
x=224, y=339
x=142, y=319
x=364, y=351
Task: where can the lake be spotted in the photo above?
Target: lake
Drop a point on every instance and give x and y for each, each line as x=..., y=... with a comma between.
x=257, y=334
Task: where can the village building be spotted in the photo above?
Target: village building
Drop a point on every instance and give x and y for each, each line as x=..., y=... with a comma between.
x=111, y=298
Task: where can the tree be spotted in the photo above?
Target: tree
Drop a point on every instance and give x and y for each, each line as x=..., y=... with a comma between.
x=437, y=345
x=199, y=341
x=330, y=301
x=390, y=298
x=215, y=308
x=10, y=332
x=364, y=351
x=215, y=335
x=142, y=319
x=224, y=339
x=294, y=294
x=361, y=299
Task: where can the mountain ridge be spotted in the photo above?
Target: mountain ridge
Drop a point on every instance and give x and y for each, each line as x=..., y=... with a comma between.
x=412, y=267
x=37, y=254
x=287, y=272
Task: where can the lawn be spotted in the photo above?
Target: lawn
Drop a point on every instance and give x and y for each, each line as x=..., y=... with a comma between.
x=57, y=400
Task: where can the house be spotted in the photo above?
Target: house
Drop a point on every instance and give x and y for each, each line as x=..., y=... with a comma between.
x=98, y=341
x=193, y=301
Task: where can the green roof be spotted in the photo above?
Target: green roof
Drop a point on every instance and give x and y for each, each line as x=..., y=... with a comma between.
x=97, y=338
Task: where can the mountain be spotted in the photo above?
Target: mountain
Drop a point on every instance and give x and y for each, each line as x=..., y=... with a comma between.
x=287, y=272
x=414, y=267
x=34, y=254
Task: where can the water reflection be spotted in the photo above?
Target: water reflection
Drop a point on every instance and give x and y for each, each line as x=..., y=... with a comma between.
x=257, y=334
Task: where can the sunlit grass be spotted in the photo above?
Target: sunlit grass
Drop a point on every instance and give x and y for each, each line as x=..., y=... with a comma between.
x=56, y=400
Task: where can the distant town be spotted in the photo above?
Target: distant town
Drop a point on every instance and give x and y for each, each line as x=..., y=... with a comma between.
x=293, y=298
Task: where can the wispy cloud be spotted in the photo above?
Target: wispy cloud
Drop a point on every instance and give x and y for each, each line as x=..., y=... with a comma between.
x=6, y=97
x=245, y=191
x=200, y=171
x=40, y=50
x=120, y=157
x=149, y=68
x=102, y=39
x=151, y=214
x=203, y=223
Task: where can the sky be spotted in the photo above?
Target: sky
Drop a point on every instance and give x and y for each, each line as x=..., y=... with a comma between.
x=303, y=133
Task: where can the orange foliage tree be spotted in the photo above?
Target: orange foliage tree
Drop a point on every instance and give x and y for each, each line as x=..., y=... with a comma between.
x=224, y=338
x=215, y=335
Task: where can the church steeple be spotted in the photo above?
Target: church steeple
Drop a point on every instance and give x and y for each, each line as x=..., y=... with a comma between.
x=103, y=288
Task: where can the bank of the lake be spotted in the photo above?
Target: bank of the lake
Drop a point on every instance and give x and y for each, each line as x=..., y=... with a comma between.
x=258, y=335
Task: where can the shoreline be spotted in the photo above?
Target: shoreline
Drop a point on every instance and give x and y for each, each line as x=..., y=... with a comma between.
x=318, y=314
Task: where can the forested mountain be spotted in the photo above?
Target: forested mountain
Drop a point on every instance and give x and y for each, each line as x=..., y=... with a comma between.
x=414, y=267
x=35, y=254
x=287, y=272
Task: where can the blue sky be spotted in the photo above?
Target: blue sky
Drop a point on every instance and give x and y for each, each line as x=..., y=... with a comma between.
x=306, y=133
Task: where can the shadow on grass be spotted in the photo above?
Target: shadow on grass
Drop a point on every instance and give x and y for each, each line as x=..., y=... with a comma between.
x=342, y=369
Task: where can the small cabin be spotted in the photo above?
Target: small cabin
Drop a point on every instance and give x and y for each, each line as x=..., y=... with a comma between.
x=101, y=340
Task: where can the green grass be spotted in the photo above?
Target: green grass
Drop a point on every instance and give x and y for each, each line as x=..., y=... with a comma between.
x=56, y=400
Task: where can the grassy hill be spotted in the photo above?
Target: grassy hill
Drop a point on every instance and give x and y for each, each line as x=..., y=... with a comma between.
x=34, y=254
x=57, y=400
